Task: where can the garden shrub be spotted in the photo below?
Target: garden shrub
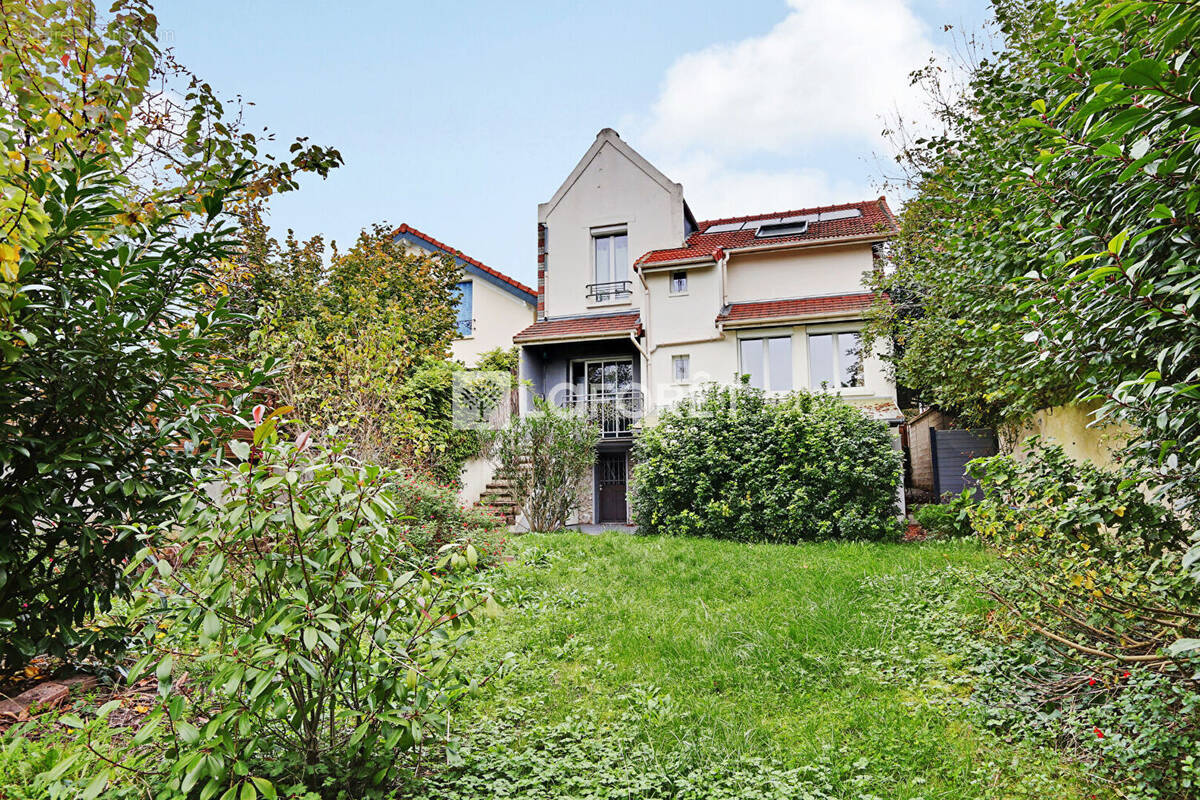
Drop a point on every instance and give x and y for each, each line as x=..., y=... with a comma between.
x=321, y=645
x=731, y=464
x=547, y=457
x=1096, y=572
x=947, y=519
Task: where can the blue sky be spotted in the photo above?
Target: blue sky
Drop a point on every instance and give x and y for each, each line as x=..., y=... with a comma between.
x=459, y=118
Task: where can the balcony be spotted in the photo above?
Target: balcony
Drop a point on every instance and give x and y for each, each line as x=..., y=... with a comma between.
x=609, y=292
x=615, y=412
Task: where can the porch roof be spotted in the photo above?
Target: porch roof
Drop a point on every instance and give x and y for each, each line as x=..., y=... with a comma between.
x=592, y=326
x=795, y=308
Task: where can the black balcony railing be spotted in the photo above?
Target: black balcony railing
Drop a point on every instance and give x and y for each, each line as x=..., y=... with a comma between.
x=615, y=412
x=613, y=290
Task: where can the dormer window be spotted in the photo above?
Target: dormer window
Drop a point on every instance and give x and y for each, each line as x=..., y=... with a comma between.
x=610, y=265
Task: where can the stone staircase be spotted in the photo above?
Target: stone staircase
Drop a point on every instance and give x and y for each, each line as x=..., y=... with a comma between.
x=497, y=495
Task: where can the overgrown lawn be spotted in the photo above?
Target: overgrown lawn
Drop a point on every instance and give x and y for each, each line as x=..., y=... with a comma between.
x=678, y=667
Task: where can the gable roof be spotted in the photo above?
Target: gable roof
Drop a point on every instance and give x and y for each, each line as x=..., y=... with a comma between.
x=821, y=306
x=610, y=137
x=874, y=220
x=468, y=264
x=592, y=326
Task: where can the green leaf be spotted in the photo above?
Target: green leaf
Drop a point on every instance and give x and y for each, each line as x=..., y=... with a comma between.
x=96, y=786
x=70, y=720
x=265, y=787
x=212, y=625
x=1144, y=72
x=240, y=449
x=165, y=666
x=310, y=638
x=1183, y=646
x=1117, y=243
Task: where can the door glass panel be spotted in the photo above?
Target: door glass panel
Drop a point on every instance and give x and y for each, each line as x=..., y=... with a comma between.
x=850, y=349
x=624, y=378
x=620, y=257
x=603, y=259
x=752, y=361
x=820, y=360
x=779, y=354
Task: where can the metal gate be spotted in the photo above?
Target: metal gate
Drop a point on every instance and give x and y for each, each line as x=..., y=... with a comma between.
x=951, y=450
x=610, y=487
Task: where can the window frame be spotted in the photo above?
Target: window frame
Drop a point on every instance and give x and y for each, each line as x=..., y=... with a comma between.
x=765, y=337
x=611, y=232
x=671, y=291
x=686, y=359
x=470, y=319
x=836, y=388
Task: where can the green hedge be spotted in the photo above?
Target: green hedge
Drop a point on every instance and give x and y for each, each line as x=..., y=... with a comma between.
x=732, y=464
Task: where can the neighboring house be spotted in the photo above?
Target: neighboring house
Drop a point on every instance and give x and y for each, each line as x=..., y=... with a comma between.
x=639, y=304
x=492, y=306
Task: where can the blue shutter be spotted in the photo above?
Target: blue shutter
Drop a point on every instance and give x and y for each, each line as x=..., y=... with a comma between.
x=465, y=309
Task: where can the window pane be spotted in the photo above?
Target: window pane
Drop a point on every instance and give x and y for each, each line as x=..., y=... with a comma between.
x=678, y=282
x=752, y=361
x=850, y=358
x=779, y=352
x=603, y=259
x=624, y=376
x=820, y=360
x=464, y=312
x=620, y=257
x=682, y=368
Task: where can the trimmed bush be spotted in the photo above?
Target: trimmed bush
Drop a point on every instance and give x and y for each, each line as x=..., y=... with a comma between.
x=731, y=464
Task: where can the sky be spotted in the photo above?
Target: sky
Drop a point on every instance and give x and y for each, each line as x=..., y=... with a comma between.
x=459, y=118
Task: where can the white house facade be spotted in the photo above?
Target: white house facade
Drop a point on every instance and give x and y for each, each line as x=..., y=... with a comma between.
x=639, y=304
x=492, y=307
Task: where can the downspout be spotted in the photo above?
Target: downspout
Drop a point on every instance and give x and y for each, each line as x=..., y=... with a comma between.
x=645, y=326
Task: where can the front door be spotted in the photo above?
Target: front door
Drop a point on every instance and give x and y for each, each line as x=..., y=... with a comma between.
x=610, y=487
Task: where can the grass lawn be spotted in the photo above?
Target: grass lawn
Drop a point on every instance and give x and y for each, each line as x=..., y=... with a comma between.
x=671, y=667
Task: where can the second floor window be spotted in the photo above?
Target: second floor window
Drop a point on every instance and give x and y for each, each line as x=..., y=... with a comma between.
x=611, y=266
x=835, y=360
x=768, y=362
x=679, y=282
x=463, y=320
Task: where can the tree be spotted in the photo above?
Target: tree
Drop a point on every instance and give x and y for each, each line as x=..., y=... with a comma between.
x=1048, y=254
x=365, y=340
x=113, y=214
x=547, y=456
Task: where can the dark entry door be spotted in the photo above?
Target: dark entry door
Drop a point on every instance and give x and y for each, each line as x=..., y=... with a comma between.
x=610, y=487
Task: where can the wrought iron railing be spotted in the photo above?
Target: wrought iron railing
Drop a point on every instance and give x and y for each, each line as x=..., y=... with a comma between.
x=615, y=412
x=613, y=290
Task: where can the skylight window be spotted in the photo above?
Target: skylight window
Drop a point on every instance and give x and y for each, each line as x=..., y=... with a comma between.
x=782, y=229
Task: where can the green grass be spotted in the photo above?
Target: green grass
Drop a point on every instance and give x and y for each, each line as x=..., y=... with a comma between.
x=673, y=650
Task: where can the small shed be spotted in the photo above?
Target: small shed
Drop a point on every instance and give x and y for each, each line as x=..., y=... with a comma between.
x=920, y=452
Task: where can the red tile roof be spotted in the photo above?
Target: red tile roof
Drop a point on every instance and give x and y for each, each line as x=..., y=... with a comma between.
x=602, y=326
x=876, y=218
x=409, y=229
x=797, y=307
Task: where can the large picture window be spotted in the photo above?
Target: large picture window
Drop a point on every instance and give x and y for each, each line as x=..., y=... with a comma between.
x=835, y=360
x=768, y=362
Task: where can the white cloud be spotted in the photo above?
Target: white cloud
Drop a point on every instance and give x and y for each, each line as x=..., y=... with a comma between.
x=715, y=190
x=825, y=77
x=830, y=69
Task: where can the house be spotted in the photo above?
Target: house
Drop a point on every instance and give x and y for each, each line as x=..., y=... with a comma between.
x=492, y=306
x=639, y=303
